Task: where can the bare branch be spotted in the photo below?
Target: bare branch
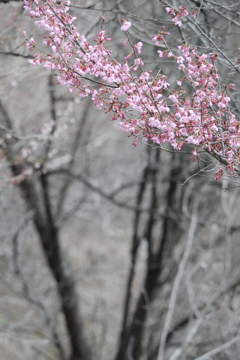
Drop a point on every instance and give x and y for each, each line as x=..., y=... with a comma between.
x=109, y=197
x=16, y=54
x=219, y=348
x=33, y=299
x=176, y=285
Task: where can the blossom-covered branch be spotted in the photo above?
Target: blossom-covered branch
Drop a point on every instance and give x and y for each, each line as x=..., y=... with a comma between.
x=145, y=106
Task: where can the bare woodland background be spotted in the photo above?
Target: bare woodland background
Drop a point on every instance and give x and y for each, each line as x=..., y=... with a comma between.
x=94, y=232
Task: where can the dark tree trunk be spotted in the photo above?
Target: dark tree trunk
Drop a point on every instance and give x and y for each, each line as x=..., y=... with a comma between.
x=49, y=238
x=131, y=340
x=36, y=194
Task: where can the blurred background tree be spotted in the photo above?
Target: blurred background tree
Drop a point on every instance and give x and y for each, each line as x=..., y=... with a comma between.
x=110, y=251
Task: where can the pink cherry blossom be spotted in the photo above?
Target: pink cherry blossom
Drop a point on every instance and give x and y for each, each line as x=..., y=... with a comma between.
x=126, y=25
x=219, y=173
x=139, y=46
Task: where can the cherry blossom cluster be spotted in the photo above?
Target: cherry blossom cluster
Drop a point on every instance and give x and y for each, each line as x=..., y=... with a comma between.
x=177, y=14
x=145, y=105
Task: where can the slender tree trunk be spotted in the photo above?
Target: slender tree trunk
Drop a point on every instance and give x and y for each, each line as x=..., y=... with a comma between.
x=36, y=194
x=169, y=238
x=131, y=341
x=49, y=238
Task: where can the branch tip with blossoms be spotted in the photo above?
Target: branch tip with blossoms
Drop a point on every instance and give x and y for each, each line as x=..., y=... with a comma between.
x=178, y=14
x=125, y=25
x=144, y=105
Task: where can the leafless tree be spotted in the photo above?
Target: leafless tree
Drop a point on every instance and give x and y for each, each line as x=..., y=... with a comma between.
x=107, y=251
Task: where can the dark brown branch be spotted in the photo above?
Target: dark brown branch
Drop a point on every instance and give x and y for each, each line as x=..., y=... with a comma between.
x=16, y=54
x=8, y=1
x=74, y=148
x=94, y=188
x=43, y=220
x=66, y=285
x=155, y=262
x=134, y=250
x=32, y=299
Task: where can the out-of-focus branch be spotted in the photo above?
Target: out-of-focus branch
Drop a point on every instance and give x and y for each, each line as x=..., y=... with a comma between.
x=66, y=287
x=136, y=238
x=11, y=133
x=116, y=11
x=163, y=249
x=205, y=308
x=33, y=299
x=16, y=54
x=37, y=198
x=33, y=347
x=176, y=285
x=73, y=211
x=136, y=328
x=219, y=348
x=75, y=145
x=8, y=1
x=51, y=90
x=192, y=332
x=28, y=216
x=109, y=197
x=6, y=117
